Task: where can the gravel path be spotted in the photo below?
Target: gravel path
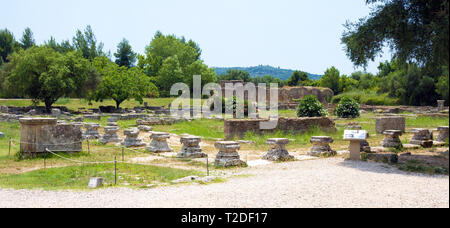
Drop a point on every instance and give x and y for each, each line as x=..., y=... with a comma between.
x=316, y=183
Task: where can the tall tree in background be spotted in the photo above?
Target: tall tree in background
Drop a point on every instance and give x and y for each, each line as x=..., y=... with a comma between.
x=125, y=55
x=297, y=78
x=415, y=30
x=45, y=75
x=7, y=45
x=27, y=40
x=86, y=43
x=331, y=79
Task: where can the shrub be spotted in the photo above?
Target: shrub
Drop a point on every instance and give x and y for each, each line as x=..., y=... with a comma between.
x=347, y=108
x=310, y=106
x=367, y=98
x=246, y=106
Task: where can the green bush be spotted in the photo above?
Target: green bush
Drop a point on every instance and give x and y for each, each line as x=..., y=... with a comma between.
x=310, y=106
x=246, y=106
x=347, y=108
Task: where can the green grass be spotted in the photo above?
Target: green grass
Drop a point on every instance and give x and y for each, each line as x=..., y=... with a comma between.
x=77, y=177
x=208, y=129
x=418, y=167
x=426, y=122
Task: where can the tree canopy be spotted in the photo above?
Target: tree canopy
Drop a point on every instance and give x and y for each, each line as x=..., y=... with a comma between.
x=125, y=55
x=27, y=40
x=415, y=30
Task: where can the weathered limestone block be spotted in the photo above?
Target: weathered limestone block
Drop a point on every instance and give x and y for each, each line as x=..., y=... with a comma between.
x=159, y=143
x=321, y=146
x=91, y=131
x=392, y=139
x=441, y=105
x=145, y=128
x=132, y=138
x=110, y=135
x=93, y=117
x=443, y=133
x=79, y=119
x=278, y=151
x=4, y=109
x=191, y=147
x=390, y=123
x=37, y=134
x=56, y=112
x=228, y=155
x=422, y=137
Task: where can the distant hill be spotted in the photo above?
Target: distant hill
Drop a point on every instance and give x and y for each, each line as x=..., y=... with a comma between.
x=261, y=70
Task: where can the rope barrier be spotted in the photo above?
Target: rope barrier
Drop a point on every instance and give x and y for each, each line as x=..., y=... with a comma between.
x=77, y=161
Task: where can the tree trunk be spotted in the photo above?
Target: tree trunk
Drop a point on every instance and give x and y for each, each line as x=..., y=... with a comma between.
x=118, y=104
x=48, y=105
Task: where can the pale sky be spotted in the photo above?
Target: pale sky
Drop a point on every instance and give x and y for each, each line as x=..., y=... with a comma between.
x=295, y=34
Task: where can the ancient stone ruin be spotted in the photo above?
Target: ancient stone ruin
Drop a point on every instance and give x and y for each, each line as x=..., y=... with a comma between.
x=321, y=146
x=443, y=133
x=159, y=143
x=132, y=138
x=239, y=127
x=392, y=139
x=441, y=105
x=191, y=147
x=288, y=95
x=228, y=155
x=145, y=128
x=110, y=135
x=277, y=151
x=390, y=123
x=422, y=137
x=37, y=134
x=91, y=131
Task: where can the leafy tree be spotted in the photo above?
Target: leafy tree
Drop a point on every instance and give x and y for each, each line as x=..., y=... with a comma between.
x=442, y=86
x=236, y=75
x=199, y=68
x=169, y=74
x=297, y=78
x=415, y=30
x=63, y=47
x=122, y=83
x=27, y=40
x=7, y=45
x=310, y=106
x=86, y=43
x=163, y=47
x=46, y=75
x=125, y=55
x=331, y=80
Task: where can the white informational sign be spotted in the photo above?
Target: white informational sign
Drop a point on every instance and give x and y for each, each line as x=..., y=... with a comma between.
x=355, y=135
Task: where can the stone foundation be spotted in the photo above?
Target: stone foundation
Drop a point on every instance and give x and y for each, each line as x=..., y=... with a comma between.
x=278, y=151
x=443, y=133
x=390, y=123
x=37, y=134
x=132, y=138
x=392, y=139
x=191, y=148
x=228, y=155
x=91, y=131
x=159, y=143
x=422, y=137
x=239, y=127
x=110, y=135
x=321, y=146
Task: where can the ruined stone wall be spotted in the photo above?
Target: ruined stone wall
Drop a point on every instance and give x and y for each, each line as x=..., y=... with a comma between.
x=37, y=134
x=288, y=95
x=239, y=127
